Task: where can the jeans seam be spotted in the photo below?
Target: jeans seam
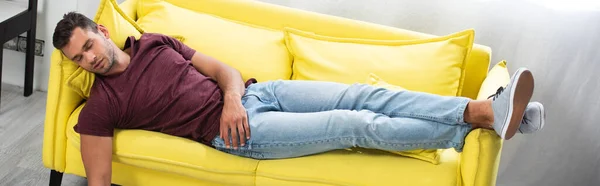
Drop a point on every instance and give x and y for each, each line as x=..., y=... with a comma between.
x=437, y=142
x=405, y=114
x=461, y=112
x=250, y=152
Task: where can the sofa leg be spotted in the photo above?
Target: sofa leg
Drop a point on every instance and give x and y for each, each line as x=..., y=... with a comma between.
x=55, y=178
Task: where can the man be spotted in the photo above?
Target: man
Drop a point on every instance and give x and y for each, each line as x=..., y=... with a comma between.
x=159, y=84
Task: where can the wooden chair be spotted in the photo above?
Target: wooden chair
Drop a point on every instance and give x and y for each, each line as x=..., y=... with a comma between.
x=14, y=20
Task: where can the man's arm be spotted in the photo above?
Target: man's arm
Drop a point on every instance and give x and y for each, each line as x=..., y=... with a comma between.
x=230, y=80
x=96, y=153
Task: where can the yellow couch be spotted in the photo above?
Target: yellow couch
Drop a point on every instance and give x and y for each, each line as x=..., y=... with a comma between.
x=150, y=158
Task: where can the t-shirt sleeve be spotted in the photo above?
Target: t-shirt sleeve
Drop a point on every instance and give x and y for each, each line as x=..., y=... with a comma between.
x=96, y=119
x=178, y=46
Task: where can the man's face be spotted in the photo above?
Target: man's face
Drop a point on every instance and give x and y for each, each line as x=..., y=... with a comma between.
x=92, y=51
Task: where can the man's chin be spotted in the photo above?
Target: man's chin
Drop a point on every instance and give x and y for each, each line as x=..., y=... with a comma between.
x=100, y=72
x=106, y=72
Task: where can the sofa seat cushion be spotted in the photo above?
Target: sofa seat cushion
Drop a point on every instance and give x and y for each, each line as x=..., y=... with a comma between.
x=359, y=167
x=161, y=152
x=356, y=166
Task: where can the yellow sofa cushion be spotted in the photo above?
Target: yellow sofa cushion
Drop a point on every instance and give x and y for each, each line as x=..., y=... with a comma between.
x=359, y=167
x=80, y=80
x=170, y=154
x=257, y=52
x=435, y=65
x=497, y=77
x=119, y=26
x=375, y=80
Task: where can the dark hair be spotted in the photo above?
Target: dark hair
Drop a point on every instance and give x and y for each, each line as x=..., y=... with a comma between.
x=64, y=28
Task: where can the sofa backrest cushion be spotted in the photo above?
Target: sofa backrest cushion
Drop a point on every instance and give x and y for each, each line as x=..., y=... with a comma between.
x=257, y=52
x=434, y=65
x=279, y=17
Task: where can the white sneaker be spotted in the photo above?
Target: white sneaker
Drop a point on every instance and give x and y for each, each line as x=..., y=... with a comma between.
x=534, y=118
x=509, y=103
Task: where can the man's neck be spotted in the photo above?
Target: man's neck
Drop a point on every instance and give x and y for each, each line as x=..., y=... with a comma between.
x=122, y=62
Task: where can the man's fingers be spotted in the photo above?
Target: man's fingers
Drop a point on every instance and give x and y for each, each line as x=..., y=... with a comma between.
x=234, y=136
x=226, y=137
x=221, y=133
x=240, y=129
x=246, y=127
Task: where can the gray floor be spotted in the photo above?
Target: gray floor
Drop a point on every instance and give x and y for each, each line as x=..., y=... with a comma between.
x=21, y=134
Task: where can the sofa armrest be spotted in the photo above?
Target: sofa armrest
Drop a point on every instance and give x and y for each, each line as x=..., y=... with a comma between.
x=481, y=154
x=480, y=158
x=61, y=102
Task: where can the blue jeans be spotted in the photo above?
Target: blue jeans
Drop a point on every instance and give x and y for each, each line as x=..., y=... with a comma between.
x=297, y=118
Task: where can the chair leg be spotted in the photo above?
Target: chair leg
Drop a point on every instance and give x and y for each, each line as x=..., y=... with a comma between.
x=30, y=53
x=1, y=50
x=55, y=178
x=29, y=63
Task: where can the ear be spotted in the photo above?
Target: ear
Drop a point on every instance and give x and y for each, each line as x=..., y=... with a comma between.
x=104, y=31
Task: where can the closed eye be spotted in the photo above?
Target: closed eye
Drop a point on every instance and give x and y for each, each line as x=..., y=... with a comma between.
x=87, y=46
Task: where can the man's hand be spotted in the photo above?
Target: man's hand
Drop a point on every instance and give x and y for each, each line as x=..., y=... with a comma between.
x=234, y=121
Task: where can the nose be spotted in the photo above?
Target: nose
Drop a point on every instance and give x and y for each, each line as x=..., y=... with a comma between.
x=90, y=57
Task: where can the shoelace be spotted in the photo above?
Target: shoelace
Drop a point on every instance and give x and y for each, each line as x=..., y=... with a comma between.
x=525, y=121
x=495, y=95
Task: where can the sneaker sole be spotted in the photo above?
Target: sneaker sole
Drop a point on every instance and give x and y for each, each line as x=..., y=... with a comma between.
x=521, y=95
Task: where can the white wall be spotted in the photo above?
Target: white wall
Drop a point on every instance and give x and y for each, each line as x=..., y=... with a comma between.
x=49, y=13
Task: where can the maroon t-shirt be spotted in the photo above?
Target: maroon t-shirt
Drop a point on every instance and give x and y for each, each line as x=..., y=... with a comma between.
x=159, y=91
